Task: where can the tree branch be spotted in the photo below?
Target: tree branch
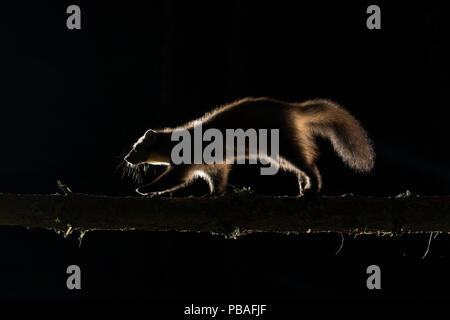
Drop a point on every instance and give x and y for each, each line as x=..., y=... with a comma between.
x=234, y=214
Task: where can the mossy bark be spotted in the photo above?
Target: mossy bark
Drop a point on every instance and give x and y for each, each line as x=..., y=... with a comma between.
x=231, y=215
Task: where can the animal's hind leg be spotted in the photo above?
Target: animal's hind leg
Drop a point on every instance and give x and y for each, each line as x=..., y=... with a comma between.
x=314, y=179
x=303, y=182
x=309, y=178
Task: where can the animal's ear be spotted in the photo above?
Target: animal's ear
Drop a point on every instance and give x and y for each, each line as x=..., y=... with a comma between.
x=150, y=136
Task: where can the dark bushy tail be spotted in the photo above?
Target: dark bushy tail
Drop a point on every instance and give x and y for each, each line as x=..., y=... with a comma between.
x=327, y=119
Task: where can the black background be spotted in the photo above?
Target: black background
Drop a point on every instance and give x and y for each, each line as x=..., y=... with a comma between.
x=73, y=101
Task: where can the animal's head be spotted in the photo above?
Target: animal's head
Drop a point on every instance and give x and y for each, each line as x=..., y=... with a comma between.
x=148, y=149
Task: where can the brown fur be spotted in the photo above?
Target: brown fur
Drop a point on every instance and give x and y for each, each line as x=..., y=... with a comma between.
x=299, y=124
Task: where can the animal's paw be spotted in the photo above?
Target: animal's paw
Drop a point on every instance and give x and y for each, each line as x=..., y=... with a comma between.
x=152, y=195
x=147, y=194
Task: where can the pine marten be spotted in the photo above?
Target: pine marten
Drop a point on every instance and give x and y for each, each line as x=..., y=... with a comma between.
x=298, y=123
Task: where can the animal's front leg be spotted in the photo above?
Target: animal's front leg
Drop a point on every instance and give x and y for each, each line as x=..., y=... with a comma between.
x=172, y=178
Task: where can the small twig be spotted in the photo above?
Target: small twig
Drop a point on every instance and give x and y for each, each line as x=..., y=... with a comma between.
x=429, y=243
x=342, y=244
x=81, y=237
x=64, y=187
x=68, y=232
